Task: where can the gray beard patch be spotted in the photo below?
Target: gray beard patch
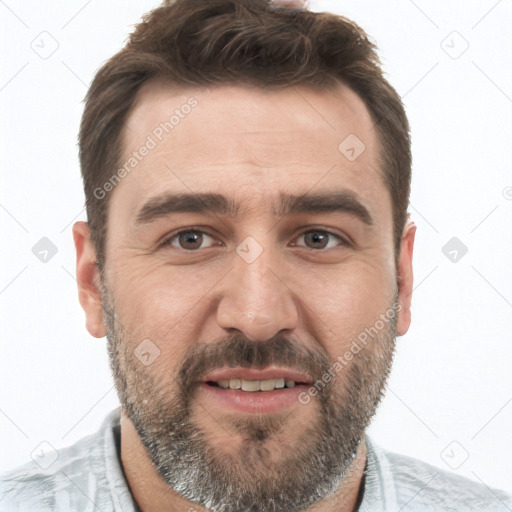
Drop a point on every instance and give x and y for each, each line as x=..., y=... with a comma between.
x=251, y=477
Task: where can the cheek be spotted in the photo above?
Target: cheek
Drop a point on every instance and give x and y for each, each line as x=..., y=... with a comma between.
x=348, y=299
x=162, y=304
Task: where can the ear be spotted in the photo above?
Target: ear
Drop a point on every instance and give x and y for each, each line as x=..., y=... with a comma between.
x=88, y=279
x=405, y=278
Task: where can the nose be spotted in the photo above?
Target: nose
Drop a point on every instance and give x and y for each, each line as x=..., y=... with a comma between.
x=256, y=299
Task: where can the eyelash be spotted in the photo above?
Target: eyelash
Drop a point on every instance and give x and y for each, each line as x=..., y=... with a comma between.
x=167, y=242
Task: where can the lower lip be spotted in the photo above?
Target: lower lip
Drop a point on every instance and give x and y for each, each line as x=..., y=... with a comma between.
x=256, y=402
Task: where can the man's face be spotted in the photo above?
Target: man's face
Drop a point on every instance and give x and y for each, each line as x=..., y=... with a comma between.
x=278, y=286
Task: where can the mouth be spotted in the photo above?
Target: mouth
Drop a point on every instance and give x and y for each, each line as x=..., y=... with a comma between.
x=255, y=390
x=252, y=386
x=252, y=380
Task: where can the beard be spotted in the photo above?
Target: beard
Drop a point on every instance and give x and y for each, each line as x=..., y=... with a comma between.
x=250, y=476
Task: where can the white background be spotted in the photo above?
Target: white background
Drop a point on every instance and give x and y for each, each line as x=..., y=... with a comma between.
x=452, y=378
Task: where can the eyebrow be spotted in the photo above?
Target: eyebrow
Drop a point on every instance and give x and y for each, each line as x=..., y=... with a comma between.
x=216, y=204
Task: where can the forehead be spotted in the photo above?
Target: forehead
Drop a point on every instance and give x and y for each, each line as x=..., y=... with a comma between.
x=249, y=143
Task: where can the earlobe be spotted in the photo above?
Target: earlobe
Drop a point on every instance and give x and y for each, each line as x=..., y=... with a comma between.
x=405, y=278
x=88, y=279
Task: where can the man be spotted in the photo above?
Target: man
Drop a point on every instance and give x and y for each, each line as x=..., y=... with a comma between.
x=248, y=255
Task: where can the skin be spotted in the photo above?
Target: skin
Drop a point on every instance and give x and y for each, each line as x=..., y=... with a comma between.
x=248, y=144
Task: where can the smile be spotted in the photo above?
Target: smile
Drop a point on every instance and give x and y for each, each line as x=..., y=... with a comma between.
x=252, y=386
x=253, y=390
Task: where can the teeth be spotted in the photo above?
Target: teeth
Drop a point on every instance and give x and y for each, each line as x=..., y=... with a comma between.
x=250, y=385
x=235, y=384
x=265, y=385
x=255, y=385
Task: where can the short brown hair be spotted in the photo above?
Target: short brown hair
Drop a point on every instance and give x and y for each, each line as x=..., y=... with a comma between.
x=208, y=42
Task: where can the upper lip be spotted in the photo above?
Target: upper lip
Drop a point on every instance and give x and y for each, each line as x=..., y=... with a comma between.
x=273, y=372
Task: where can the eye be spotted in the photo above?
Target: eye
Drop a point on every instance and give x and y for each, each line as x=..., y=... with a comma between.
x=320, y=239
x=194, y=239
x=190, y=240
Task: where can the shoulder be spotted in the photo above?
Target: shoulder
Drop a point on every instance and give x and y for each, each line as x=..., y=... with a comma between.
x=426, y=487
x=64, y=479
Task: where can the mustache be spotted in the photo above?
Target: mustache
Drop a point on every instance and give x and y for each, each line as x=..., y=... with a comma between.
x=239, y=351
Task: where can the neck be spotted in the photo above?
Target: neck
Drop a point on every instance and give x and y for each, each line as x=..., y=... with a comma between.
x=153, y=494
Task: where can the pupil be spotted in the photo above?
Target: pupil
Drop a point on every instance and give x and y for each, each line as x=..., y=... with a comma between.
x=317, y=238
x=191, y=238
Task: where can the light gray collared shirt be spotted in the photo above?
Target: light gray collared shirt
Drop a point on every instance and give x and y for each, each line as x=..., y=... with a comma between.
x=88, y=477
